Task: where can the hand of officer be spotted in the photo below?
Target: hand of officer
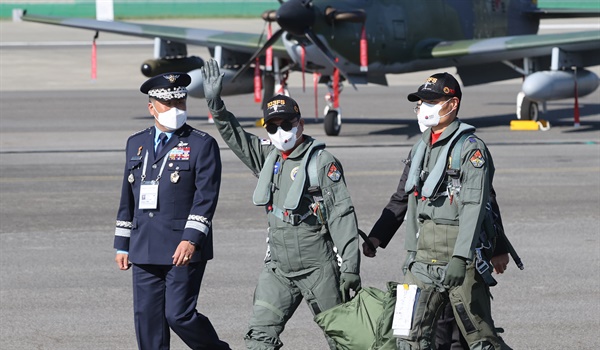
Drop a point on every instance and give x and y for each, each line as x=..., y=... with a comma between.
x=367, y=251
x=455, y=272
x=213, y=83
x=123, y=261
x=500, y=262
x=349, y=281
x=410, y=257
x=183, y=253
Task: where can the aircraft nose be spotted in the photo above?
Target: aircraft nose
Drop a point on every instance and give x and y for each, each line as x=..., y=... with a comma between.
x=295, y=16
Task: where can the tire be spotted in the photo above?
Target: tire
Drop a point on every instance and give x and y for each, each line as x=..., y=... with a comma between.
x=332, y=123
x=529, y=110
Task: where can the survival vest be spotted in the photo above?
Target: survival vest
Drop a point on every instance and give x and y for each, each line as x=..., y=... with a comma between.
x=491, y=229
x=309, y=166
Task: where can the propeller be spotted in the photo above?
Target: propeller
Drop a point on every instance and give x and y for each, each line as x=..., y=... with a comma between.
x=297, y=17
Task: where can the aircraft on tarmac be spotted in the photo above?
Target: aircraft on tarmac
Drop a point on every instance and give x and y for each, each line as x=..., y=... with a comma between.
x=363, y=40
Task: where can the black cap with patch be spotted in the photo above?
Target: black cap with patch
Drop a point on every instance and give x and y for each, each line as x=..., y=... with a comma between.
x=281, y=106
x=167, y=86
x=440, y=85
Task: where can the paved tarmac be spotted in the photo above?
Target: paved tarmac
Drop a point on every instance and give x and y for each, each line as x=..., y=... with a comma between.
x=62, y=141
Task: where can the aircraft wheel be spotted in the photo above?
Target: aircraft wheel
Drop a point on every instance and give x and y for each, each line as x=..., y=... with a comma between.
x=332, y=123
x=529, y=110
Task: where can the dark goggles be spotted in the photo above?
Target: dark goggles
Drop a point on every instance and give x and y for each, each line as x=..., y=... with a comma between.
x=286, y=125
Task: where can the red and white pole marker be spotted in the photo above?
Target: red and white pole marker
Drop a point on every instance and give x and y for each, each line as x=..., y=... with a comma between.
x=257, y=82
x=364, y=61
x=94, y=60
x=269, y=57
x=336, y=87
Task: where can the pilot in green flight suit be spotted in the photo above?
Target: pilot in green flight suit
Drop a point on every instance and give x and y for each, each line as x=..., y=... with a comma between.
x=444, y=221
x=307, y=225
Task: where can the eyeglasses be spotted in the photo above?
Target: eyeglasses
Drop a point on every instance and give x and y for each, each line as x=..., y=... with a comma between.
x=286, y=125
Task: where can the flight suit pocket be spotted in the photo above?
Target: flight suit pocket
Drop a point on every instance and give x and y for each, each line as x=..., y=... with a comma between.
x=470, y=195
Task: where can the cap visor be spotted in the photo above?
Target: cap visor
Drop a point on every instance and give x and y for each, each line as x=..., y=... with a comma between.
x=288, y=116
x=424, y=95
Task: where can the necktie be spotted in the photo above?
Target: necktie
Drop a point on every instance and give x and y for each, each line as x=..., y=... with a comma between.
x=162, y=139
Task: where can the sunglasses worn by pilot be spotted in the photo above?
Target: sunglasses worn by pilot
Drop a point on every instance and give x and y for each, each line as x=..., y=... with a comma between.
x=286, y=125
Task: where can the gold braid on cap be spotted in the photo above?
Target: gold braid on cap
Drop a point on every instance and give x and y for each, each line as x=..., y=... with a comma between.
x=168, y=93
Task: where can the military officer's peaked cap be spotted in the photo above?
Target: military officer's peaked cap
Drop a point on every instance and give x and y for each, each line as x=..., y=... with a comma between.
x=440, y=85
x=281, y=106
x=167, y=86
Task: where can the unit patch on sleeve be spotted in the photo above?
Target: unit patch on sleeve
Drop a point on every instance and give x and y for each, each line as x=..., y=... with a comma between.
x=333, y=173
x=477, y=159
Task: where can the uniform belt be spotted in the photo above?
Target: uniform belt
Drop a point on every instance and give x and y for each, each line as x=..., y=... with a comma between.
x=292, y=219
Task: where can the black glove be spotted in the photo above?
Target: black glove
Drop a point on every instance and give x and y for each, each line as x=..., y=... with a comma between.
x=455, y=272
x=349, y=281
x=213, y=84
x=410, y=257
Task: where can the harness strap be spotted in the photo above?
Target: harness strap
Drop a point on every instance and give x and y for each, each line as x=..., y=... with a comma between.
x=314, y=191
x=293, y=219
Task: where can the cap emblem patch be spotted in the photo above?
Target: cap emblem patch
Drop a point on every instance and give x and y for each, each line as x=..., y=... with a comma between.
x=171, y=78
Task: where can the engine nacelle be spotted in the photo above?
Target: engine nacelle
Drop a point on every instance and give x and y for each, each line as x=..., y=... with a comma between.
x=244, y=84
x=154, y=67
x=556, y=85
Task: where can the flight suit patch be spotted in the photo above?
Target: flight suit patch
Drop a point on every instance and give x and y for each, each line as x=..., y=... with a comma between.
x=294, y=172
x=333, y=173
x=477, y=159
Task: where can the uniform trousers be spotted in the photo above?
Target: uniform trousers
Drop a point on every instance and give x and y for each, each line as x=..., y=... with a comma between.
x=165, y=296
x=470, y=303
x=447, y=334
x=277, y=297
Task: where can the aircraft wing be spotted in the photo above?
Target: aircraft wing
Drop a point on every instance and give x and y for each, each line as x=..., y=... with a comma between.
x=483, y=60
x=236, y=41
x=477, y=51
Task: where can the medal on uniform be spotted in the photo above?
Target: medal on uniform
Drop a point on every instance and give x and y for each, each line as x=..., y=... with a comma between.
x=175, y=177
x=130, y=178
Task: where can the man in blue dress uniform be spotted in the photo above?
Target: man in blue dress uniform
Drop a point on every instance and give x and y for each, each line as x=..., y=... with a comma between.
x=163, y=231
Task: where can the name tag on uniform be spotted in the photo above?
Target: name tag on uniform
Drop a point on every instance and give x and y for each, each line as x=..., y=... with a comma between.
x=149, y=195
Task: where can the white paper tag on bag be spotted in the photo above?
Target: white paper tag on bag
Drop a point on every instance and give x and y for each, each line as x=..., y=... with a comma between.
x=403, y=312
x=149, y=195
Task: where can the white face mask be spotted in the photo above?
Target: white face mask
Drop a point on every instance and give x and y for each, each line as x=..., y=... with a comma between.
x=284, y=140
x=429, y=115
x=172, y=119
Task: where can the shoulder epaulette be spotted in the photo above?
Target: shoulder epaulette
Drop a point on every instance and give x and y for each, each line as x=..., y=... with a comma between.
x=139, y=132
x=199, y=133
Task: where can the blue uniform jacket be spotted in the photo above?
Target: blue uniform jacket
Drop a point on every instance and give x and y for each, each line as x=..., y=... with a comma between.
x=185, y=207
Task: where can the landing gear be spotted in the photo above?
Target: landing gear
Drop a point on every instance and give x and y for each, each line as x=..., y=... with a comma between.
x=332, y=121
x=527, y=109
